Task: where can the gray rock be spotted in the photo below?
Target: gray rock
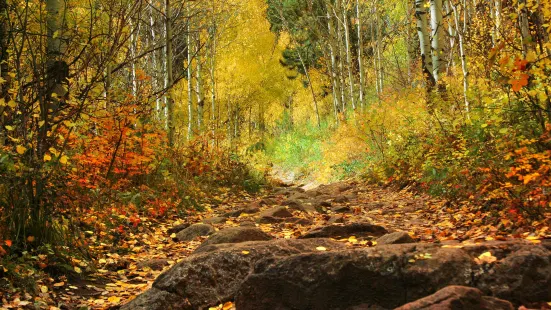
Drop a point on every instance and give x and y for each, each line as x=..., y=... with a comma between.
x=347, y=230
x=235, y=235
x=458, y=298
x=177, y=228
x=154, y=264
x=213, y=277
x=195, y=231
x=380, y=276
x=276, y=212
x=335, y=219
x=215, y=220
x=395, y=238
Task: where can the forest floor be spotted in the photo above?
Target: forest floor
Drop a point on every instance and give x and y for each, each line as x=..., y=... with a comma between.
x=123, y=274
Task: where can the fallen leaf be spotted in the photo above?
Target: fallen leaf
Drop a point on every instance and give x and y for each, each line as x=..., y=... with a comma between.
x=321, y=248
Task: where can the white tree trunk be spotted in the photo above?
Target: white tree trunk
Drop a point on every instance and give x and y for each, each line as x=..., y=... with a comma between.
x=360, y=54
x=199, y=84
x=424, y=40
x=170, y=78
x=189, y=76
x=348, y=54
x=437, y=37
x=464, y=68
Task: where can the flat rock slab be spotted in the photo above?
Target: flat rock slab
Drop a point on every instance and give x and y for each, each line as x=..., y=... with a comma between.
x=397, y=237
x=235, y=235
x=194, y=231
x=346, y=230
x=388, y=276
x=213, y=277
x=458, y=298
x=276, y=212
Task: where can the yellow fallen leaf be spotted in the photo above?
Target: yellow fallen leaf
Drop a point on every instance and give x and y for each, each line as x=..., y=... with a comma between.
x=321, y=248
x=44, y=289
x=47, y=157
x=245, y=252
x=60, y=284
x=114, y=299
x=63, y=160
x=77, y=269
x=173, y=236
x=20, y=149
x=485, y=257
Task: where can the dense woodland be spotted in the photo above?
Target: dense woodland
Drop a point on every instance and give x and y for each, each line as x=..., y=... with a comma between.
x=119, y=114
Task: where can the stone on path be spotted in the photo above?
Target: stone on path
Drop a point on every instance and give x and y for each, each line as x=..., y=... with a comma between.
x=194, y=231
x=276, y=212
x=388, y=276
x=395, y=238
x=458, y=298
x=346, y=230
x=177, y=228
x=210, y=278
x=215, y=220
x=235, y=235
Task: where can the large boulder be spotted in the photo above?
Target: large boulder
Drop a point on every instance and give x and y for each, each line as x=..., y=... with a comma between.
x=380, y=276
x=210, y=278
x=458, y=298
x=194, y=231
x=346, y=230
x=388, y=276
x=236, y=235
x=522, y=277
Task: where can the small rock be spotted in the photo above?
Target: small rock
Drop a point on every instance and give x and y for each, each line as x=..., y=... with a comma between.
x=297, y=205
x=335, y=219
x=341, y=199
x=236, y=235
x=395, y=238
x=250, y=209
x=290, y=220
x=247, y=224
x=268, y=202
x=154, y=264
x=195, y=231
x=276, y=212
x=177, y=228
x=341, y=209
x=458, y=298
x=215, y=220
x=347, y=230
x=344, y=188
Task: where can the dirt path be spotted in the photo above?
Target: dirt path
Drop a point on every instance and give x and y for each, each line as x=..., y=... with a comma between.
x=120, y=277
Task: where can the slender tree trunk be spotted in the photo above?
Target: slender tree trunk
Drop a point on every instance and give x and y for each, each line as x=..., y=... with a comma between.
x=463, y=56
x=189, y=76
x=424, y=41
x=199, y=84
x=316, y=109
x=133, y=47
x=156, y=62
x=437, y=37
x=340, y=48
x=360, y=54
x=332, y=54
x=527, y=42
x=348, y=55
x=169, y=73
x=380, y=77
x=3, y=65
x=213, y=69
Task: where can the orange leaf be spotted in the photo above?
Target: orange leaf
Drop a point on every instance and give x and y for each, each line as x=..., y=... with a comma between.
x=8, y=243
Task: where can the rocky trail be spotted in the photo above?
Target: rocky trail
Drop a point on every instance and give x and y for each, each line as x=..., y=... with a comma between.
x=340, y=246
